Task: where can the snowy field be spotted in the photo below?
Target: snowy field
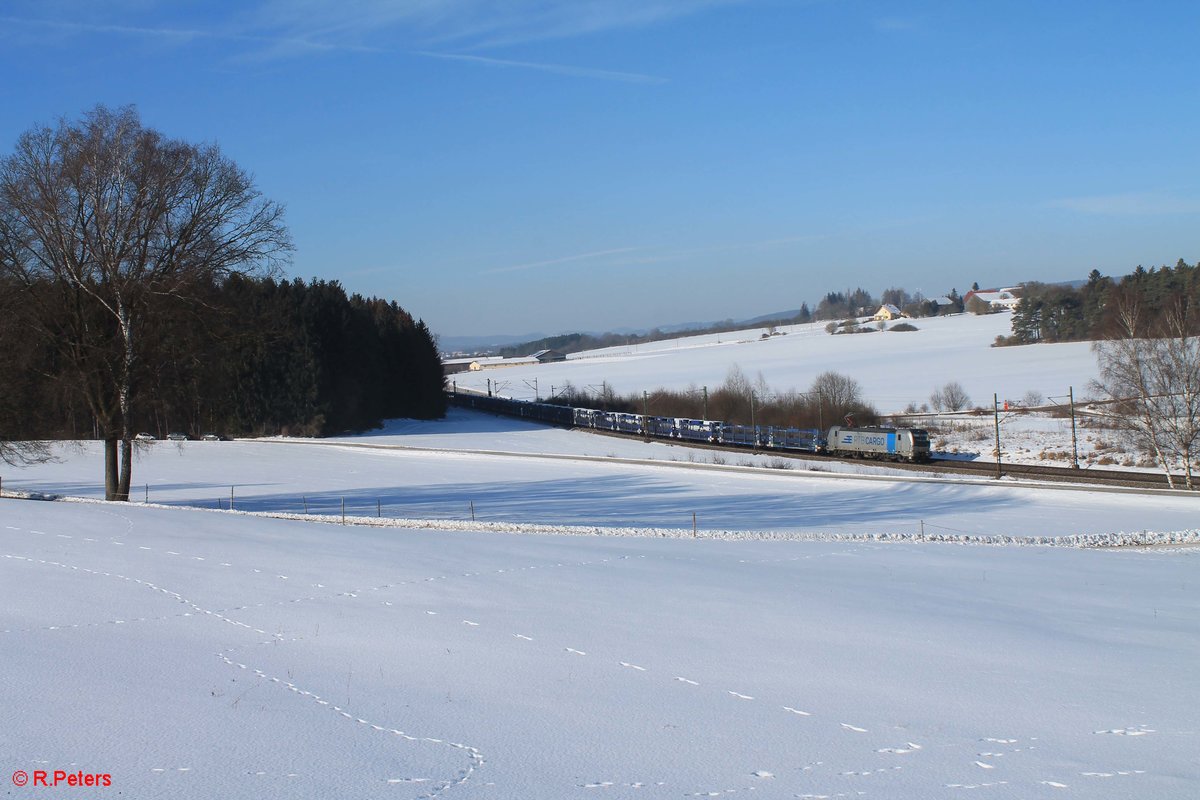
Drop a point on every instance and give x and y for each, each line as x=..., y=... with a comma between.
x=505, y=470
x=894, y=369
x=193, y=654
x=188, y=652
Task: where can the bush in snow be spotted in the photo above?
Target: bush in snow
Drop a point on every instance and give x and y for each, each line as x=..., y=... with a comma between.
x=951, y=397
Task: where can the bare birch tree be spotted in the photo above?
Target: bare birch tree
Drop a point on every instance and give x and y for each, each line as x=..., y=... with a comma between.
x=1150, y=374
x=103, y=219
x=1176, y=369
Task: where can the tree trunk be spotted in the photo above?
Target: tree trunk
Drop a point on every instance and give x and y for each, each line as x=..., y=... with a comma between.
x=124, y=394
x=110, y=469
x=126, y=469
x=1162, y=462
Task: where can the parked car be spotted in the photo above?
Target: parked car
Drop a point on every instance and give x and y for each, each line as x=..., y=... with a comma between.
x=177, y=437
x=212, y=437
x=145, y=437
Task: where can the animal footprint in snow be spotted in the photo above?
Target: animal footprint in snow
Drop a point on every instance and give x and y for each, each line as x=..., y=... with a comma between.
x=1140, y=730
x=872, y=771
x=910, y=747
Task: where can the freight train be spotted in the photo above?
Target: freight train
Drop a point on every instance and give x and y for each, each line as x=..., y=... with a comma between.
x=893, y=444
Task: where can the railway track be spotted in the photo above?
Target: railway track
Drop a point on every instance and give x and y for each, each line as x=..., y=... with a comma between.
x=940, y=466
x=943, y=466
x=1106, y=477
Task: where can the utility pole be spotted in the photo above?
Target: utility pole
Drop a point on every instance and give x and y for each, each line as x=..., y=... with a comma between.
x=820, y=407
x=996, y=413
x=705, y=417
x=489, y=380
x=1074, y=441
x=646, y=415
x=753, y=427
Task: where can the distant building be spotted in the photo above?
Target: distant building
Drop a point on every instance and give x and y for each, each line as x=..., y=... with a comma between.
x=549, y=356
x=450, y=366
x=998, y=299
x=887, y=311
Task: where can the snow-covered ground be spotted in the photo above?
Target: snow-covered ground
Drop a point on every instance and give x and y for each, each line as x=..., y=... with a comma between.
x=504, y=470
x=188, y=652
x=894, y=369
x=1037, y=438
x=193, y=654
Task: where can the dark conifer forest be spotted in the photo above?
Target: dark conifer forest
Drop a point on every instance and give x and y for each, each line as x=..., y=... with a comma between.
x=245, y=356
x=1056, y=313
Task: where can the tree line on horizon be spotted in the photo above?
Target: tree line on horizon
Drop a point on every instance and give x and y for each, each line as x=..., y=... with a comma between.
x=247, y=356
x=833, y=306
x=1047, y=312
x=1060, y=313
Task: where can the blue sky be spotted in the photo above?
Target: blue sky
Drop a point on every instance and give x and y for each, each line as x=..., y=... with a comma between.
x=550, y=166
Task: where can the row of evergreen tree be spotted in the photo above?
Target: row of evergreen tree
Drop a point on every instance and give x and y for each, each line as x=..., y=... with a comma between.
x=1058, y=313
x=245, y=356
x=860, y=302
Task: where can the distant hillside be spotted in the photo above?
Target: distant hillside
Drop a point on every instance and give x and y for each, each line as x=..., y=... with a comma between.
x=576, y=342
x=481, y=344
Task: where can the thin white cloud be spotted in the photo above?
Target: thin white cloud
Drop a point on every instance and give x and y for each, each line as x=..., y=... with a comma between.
x=276, y=29
x=557, y=69
x=472, y=24
x=182, y=35
x=1130, y=204
x=83, y=27
x=554, y=261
